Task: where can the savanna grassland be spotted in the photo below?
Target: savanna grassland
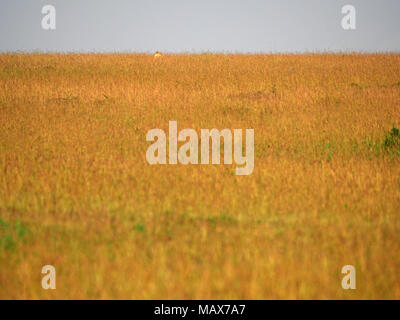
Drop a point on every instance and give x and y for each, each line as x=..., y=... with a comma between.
x=76, y=191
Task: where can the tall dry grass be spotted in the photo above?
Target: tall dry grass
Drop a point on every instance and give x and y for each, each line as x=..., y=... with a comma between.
x=76, y=191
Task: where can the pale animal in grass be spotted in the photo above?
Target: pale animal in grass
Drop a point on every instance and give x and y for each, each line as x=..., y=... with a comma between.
x=158, y=54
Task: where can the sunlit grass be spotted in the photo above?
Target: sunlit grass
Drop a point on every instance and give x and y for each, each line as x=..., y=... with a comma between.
x=76, y=191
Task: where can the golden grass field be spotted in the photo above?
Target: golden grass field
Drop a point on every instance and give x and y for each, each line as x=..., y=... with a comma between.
x=76, y=191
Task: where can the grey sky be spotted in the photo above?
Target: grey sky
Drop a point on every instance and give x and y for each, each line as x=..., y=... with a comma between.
x=198, y=26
